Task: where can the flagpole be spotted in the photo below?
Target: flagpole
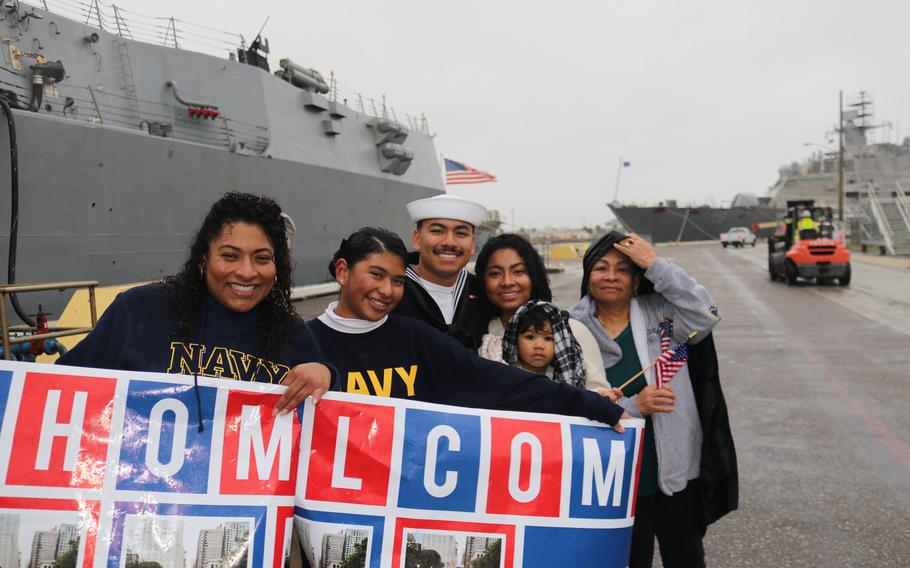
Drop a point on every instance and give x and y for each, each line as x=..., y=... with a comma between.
x=645, y=370
x=616, y=185
x=640, y=373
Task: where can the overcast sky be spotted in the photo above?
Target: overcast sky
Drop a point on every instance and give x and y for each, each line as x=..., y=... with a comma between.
x=705, y=99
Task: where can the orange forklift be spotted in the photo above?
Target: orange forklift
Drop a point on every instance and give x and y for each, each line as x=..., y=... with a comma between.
x=810, y=253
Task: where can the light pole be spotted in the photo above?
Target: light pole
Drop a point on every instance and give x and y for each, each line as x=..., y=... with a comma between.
x=622, y=164
x=840, y=159
x=839, y=152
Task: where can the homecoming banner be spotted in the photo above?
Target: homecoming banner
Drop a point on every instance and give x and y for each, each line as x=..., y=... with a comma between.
x=123, y=469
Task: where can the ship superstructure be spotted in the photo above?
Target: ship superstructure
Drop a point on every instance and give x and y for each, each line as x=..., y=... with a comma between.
x=123, y=145
x=876, y=180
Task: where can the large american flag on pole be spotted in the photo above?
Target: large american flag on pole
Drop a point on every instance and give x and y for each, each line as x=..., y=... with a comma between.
x=458, y=173
x=670, y=360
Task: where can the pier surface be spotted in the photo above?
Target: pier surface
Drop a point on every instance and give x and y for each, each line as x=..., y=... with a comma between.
x=816, y=381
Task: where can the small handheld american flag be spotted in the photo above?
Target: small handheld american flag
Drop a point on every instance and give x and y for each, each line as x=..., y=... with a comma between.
x=670, y=360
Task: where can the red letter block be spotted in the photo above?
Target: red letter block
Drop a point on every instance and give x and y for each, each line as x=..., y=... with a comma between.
x=525, y=468
x=351, y=451
x=260, y=450
x=62, y=431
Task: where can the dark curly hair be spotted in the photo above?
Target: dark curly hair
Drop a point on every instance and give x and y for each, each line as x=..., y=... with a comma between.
x=366, y=241
x=276, y=314
x=540, y=283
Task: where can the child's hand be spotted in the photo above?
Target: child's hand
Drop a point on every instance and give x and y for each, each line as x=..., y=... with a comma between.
x=618, y=427
x=614, y=394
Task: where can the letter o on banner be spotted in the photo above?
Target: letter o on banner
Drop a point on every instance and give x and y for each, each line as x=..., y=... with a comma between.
x=178, y=443
x=536, y=464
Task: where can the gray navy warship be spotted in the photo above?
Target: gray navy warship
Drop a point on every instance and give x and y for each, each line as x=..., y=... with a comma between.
x=669, y=222
x=876, y=181
x=123, y=144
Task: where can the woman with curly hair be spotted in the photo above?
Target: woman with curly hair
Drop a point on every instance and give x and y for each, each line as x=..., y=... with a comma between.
x=226, y=314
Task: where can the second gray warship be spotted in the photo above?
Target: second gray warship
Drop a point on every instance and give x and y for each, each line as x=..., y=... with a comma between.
x=876, y=181
x=668, y=222
x=122, y=143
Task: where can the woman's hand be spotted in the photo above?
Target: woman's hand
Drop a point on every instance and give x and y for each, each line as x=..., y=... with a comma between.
x=651, y=400
x=306, y=379
x=638, y=250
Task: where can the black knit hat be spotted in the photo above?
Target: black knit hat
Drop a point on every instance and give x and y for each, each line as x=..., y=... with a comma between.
x=596, y=251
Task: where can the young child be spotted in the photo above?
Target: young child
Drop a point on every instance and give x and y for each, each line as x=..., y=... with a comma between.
x=538, y=339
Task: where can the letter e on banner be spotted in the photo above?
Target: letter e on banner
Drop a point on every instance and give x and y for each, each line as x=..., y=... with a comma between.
x=260, y=450
x=62, y=431
x=525, y=468
x=350, y=453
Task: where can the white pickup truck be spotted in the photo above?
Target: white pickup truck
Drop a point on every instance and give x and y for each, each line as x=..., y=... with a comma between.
x=737, y=237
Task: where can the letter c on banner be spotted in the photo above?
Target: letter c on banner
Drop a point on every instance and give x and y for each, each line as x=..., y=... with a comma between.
x=533, y=490
x=429, y=465
x=178, y=444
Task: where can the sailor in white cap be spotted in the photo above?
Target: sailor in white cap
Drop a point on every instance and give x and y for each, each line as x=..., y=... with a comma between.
x=439, y=289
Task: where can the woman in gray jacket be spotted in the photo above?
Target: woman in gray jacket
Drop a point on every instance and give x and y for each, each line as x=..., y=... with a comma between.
x=628, y=295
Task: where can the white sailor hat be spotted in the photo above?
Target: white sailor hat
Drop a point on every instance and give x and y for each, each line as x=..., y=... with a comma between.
x=447, y=207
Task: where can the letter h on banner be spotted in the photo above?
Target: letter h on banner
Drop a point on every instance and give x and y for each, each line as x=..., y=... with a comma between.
x=62, y=431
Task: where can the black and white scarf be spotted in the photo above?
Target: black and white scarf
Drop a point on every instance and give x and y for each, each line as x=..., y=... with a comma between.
x=568, y=363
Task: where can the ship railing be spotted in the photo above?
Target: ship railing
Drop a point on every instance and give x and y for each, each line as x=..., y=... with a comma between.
x=164, y=31
x=881, y=220
x=902, y=205
x=15, y=334
x=377, y=108
x=104, y=107
x=181, y=34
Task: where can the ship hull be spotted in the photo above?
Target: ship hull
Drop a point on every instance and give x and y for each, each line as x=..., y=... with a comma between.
x=90, y=210
x=117, y=170
x=667, y=224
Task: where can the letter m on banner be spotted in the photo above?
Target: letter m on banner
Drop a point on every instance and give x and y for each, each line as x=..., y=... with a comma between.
x=260, y=450
x=62, y=431
x=603, y=487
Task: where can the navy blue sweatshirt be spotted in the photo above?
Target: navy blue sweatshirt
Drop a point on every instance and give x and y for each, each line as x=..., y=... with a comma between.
x=138, y=332
x=406, y=358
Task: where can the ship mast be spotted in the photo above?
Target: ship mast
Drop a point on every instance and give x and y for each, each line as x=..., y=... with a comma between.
x=840, y=159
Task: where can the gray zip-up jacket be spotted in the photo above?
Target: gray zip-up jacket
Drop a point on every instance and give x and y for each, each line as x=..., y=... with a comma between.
x=677, y=296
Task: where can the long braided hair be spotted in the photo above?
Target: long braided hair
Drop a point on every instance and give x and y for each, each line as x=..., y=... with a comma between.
x=276, y=315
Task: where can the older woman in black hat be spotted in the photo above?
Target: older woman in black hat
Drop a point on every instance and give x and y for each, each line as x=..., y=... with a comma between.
x=630, y=299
